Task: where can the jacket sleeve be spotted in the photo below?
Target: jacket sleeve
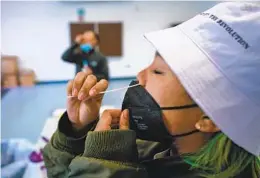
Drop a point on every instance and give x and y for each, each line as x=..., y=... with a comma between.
x=105, y=154
x=72, y=55
x=103, y=69
x=65, y=144
x=148, y=149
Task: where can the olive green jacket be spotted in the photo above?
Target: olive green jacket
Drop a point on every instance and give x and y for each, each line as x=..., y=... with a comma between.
x=109, y=154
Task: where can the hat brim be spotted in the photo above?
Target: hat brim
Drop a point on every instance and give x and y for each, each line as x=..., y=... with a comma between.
x=209, y=87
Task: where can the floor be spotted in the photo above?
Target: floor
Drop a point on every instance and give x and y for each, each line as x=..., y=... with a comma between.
x=24, y=110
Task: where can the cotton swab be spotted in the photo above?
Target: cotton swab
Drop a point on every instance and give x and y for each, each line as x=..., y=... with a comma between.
x=109, y=91
x=117, y=89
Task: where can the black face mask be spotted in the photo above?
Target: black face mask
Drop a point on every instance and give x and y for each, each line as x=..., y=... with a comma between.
x=145, y=115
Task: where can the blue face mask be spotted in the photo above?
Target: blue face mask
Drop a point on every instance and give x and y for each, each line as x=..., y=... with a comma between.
x=86, y=47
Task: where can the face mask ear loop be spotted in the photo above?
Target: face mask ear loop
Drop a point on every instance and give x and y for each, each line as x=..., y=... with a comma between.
x=185, y=134
x=180, y=107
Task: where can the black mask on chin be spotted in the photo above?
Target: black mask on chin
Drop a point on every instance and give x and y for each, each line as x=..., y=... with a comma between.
x=145, y=115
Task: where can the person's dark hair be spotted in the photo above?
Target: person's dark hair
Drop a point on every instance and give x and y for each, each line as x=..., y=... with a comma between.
x=97, y=37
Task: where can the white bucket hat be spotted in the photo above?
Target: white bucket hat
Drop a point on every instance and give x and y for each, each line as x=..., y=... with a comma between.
x=216, y=56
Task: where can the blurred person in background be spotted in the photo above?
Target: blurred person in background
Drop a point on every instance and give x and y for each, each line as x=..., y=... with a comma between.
x=194, y=114
x=86, y=57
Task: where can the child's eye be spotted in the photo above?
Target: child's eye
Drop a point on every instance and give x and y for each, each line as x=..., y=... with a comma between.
x=158, y=72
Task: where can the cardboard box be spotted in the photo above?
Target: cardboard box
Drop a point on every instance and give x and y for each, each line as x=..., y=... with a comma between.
x=9, y=81
x=9, y=64
x=27, y=78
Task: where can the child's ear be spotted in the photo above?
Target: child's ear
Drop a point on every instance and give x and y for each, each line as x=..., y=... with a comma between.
x=206, y=125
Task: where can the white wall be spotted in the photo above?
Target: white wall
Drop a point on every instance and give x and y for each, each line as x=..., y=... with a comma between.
x=38, y=32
